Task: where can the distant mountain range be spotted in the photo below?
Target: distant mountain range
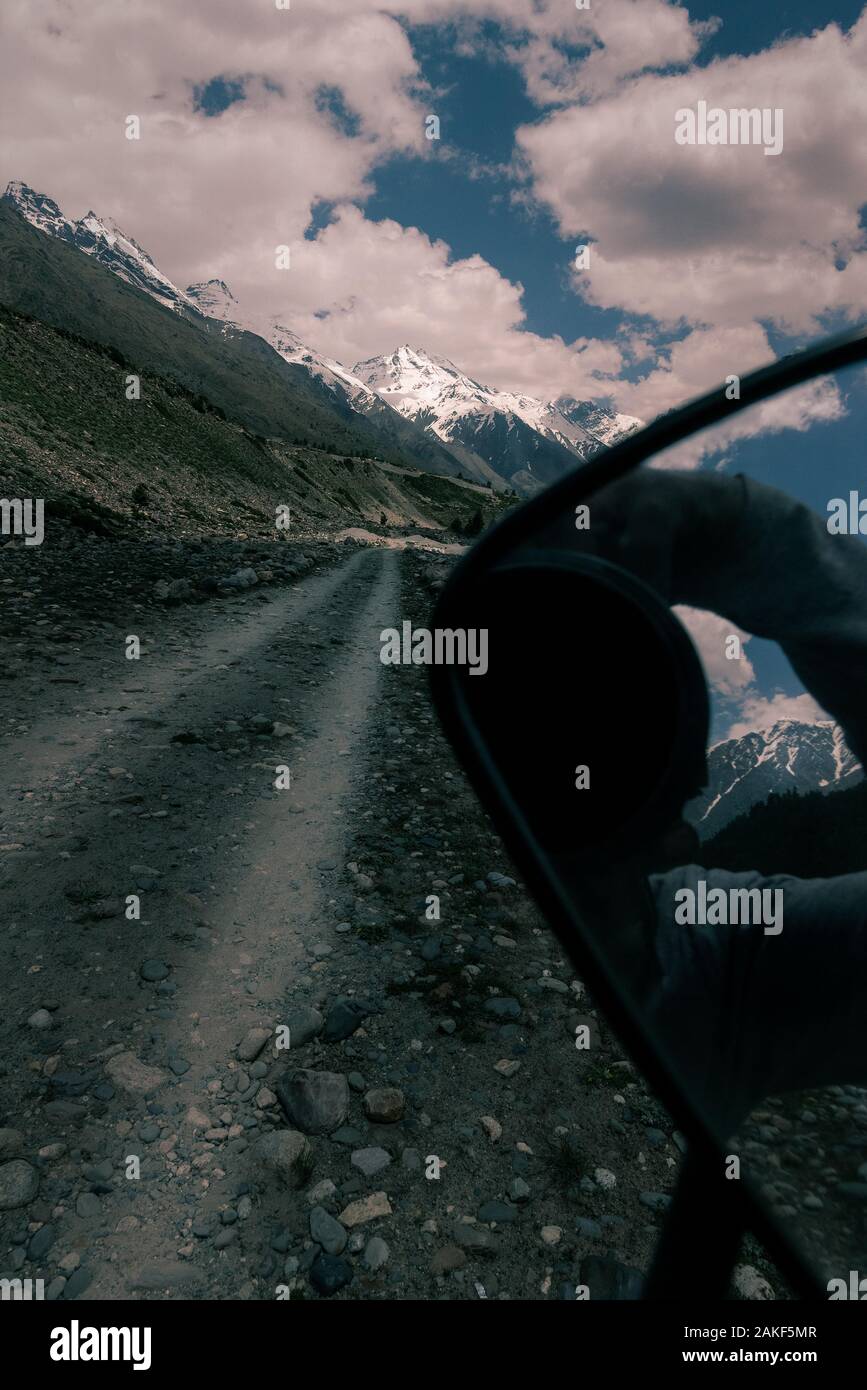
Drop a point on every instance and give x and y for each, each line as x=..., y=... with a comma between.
x=531, y=442
x=790, y=756
x=410, y=405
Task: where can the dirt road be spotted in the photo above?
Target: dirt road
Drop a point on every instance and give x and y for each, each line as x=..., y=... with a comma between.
x=162, y=897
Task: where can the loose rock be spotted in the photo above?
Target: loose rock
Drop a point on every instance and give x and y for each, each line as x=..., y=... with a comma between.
x=316, y=1101
x=286, y=1154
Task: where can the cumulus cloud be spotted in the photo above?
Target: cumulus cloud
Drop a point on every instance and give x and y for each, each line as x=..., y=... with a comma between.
x=213, y=196
x=728, y=676
x=816, y=402
x=566, y=54
x=711, y=242
x=363, y=287
x=732, y=680
x=760, y=712
x=206, y=195
x=720, y=239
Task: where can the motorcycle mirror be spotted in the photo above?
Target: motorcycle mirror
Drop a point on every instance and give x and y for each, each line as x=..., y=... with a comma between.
x=584, y=732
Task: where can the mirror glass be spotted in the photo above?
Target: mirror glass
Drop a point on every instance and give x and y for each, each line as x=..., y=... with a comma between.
x=702, y=802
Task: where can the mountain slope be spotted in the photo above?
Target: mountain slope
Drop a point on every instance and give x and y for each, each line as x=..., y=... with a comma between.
x=791, y=756
x=97, y=237
x=171, y=462
x=340, y=389
x=328, y=384
x=410, y=405
x=809, y=835
x=49, y=279
x=528, y=442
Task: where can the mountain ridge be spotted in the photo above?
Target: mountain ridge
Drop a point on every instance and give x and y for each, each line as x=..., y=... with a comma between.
x=436, y=415
x=542, y=439
x=790, y=755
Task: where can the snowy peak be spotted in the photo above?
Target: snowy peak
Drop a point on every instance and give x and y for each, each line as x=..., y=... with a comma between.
x=416, y=377
x=39, y=210
x=214, y=299
x=495, y=437
x=330, y=372
x=423, y=381
x=103, y=239
x=789, y=756
x=528, y=441
x=100, y=238
x=288, y=343
x=607, y=425
x=104, y=229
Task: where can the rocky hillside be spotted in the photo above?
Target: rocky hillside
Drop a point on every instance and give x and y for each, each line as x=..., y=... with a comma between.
x=51, y=280
x=172, y=461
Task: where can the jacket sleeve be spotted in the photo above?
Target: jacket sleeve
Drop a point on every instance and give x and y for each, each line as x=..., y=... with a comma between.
x=778, y=573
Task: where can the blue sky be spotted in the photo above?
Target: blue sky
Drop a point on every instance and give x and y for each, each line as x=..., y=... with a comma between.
x=481, y=102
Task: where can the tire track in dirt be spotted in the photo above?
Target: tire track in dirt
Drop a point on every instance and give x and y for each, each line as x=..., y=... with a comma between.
x=228, y=960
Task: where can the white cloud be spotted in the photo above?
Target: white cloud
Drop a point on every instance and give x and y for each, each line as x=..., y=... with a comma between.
x=816, y=402
x=728, y=676
x=382, y=284
x=214, y=197
x=760, y=712
x=714, y=239
x=718, y=238
x=732, y=679
x=205, y=196
x=566, y=54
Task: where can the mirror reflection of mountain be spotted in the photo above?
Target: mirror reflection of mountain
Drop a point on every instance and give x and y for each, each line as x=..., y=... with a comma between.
x=791, y=756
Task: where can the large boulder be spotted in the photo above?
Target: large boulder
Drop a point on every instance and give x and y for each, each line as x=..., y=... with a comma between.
x=19, y=1183
x=316, y=1101
x=286, y=1154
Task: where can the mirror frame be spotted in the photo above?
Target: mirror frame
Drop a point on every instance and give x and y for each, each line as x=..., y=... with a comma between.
x=534, y=862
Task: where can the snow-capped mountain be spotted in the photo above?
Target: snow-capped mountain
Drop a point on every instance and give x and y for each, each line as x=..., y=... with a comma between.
x=346, y=393
x=40, y=211
x=607, y=425
x=332, y=373
x=214, y=299
x=106, y=242
x=790, y=756
x=337, y=388
x=415, y=403
x=103, y=239
x=528, y=441
x=100, y=238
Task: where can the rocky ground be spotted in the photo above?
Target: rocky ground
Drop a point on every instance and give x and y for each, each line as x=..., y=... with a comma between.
x=280, y=1022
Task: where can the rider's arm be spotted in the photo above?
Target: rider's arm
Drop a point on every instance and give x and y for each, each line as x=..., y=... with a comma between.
x=768, y=563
